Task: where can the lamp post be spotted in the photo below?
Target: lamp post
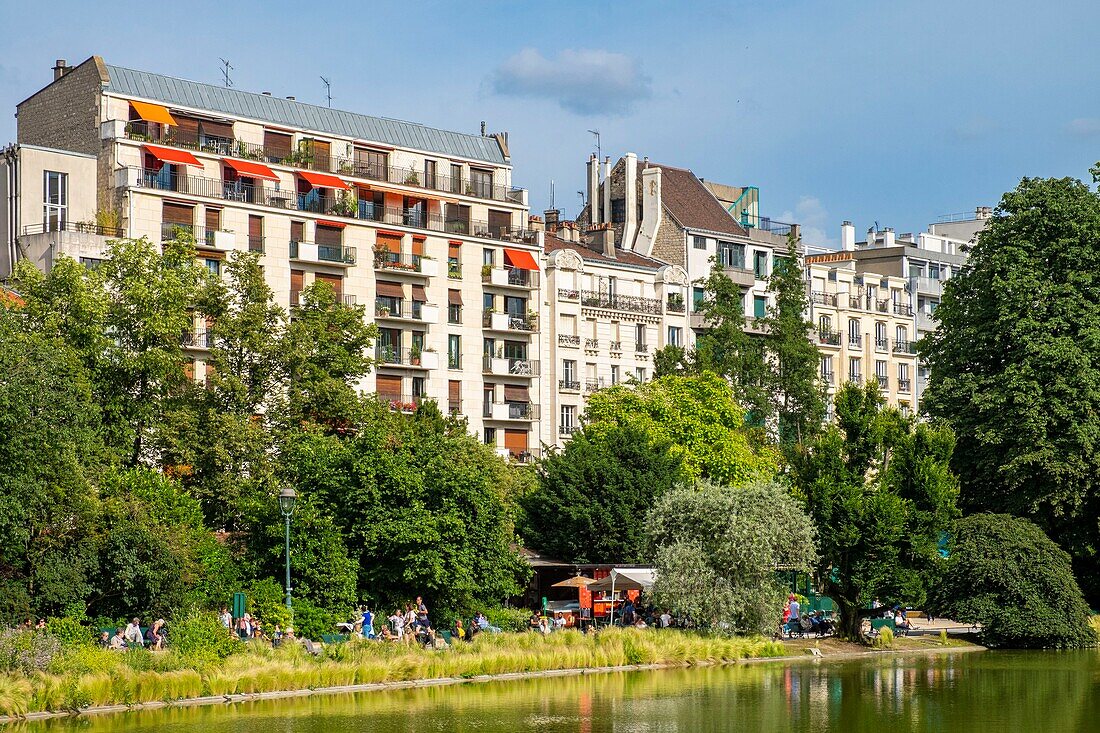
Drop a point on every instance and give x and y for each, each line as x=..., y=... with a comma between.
x=287, y=499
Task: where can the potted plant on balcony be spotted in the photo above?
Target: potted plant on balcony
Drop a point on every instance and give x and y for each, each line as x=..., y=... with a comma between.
x=346, y=168
x=415, y=355
x=412, y=179
x=676, y=302
x=346, y=205
x=486, y=271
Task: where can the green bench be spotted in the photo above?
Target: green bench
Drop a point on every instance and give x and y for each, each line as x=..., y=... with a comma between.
x=878, y=624
x=335, y=638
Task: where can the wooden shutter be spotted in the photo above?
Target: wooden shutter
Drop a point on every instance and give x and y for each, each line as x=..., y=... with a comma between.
x=297, y=278
x=389, y=242
x=178, y=214
x=454, y=297
x=213, y=219
x=516, y=393
x=187, y=129
x=335, y=281
x=389, y=387
x=322, y=160
x=418, y=293
x=297, y=231
x=454, y=390
x=389, y=290
x=499, y=221
x=418, y=245
x=255, y=226
x=217, y=129
x=277, y=144
x=328, y=235
x=515, y=441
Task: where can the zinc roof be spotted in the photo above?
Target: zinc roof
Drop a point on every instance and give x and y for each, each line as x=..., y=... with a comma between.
x=291, y=113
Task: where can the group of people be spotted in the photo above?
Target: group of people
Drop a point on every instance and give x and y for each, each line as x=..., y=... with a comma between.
x=413, y=625
x=248, y=627
x=897, y=614
x=132, y=636
x=797, y=622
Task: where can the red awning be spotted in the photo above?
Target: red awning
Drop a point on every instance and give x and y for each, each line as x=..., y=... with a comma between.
x=327, y=223
x=323, y=180
x=520, y=259
x=171, y=155
x=251, y=170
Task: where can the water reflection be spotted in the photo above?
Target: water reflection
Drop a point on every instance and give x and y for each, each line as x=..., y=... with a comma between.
x=1040, y=691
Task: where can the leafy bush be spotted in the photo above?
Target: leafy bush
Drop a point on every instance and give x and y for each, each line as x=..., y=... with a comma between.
x=508, y=619
x=1007, y=576
x=69, y=632
x=200, y=636
x=311, y=622
x=267, y=601
x=27, y=650
x=885, y=638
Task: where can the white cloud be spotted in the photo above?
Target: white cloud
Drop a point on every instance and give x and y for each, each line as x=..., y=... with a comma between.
x=583, y=81
x=1084, y=127
x=813, y=218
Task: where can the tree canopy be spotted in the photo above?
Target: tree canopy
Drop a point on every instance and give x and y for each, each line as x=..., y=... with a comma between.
x=1013, y=364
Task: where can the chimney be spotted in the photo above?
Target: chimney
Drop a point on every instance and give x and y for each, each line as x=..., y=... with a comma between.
x=291, y=98
x=593, y=190
x=603, y=239
x=847, y=237
x=607, y=189
x=534, y=223
x=651, y=210
x=631, y=176
x=59, y=69
x=553, y=216
x=483, y=128
x=982, y=212
x=888, y=237
x=266, y=94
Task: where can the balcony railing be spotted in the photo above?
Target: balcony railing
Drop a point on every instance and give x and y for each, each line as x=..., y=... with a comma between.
x=393, y=356
x=412, y=310
x=567, y=340
x=203, y=237
x=256, y=244
x=509, y=276
x=567, y=430
x=325, y=252
x=905, y=347
x=313, y=202
x=197, y=339
x=830, y=338
x=304, y=158
x=454, y=406
x=510, y=322
x=631, y=303
x=454, y=271
x=592, y=344
x=882, y=344
x=516, y=367
x=905, y=385
x=827, y=377
x=570, y=385
x=855, y=302
x=593, y=385
x=567, y=294
x=902, y=309
x=402, y=403
x=823, y=298
x=616, y=345
x=675, y=304
x=883, y=382
x=855, y=378
x=83, y=227
x=855, y=340
x=641, y=348
x=883, y=306
x=398, y=261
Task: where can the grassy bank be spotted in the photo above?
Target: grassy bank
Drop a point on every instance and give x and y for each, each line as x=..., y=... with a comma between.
x=86, y=677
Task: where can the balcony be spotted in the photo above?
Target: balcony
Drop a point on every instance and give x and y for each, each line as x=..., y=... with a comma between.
x=883, y=306
x=407, y=311
x=592, y=344
x=305, y=158
x=508, y=367
x=855, y=341
x=569, y=385
x=593, y=385
x=641, y=348
x=390, y=356
x=495, y=321
x=616, y=346
x=740, y=275
x=883, y=382
x=926, y=321
x=511, y=411
x=325, y=254
x=829, y=338
x=196, y=339
x=855, y=378
x=905, y=385
x=675, y=303
x=926, y=286
x=881, y=344
x=402, y=403
x=509, y=277
x=567, y=294
x=256, y=244
x=828, y=377
x=567, y=430
x=857, y=303
x=629, y=303
x=408, y=264
x=566, y=340
x=218, y=239
x=905, y=347
x=454, y=271
x=821, y=298
x=901, y=309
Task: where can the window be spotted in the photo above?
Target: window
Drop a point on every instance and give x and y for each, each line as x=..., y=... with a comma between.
x=698, y=296
x=903, y=372
x=901, y=334
x=489, y=347
x=916, y=269
x=881, y=373
x=91, y=263
x=429, y=173
x=855, y=373
x=418, y=386
x=55, y=200
x=825, y=324
x=454, y=310
x=481, y=183
x=488, y=395
x=639, y=336
x=569, y=371
x=454, y=266
x=880, y=335
x=933, y=271
x=674, y=336
x=454, y=352
x=618, y=211
x=490, y=436
x=855, y=338
x=759, y=306
x=699, y=242
x=255, y=233
x=639, y=374
x=487, y=301
x=614, y=374
x=568, y=417
x=457, y=219
x=487, y=256
x=215, y=266
x=731, y=255
x=827, y=369
x=456, y=178
x=372, y=163
x=760, y=264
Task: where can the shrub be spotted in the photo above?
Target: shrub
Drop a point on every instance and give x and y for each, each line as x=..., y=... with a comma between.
x=27, y=651
x=508, y=619
x=15, y=696
x=267, y=600
x=1005, y=575
x=885, y=638
x=69, y=632
x=311, y=622
x=200, y=636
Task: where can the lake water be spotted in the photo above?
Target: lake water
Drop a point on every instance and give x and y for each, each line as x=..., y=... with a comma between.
x=1004, y=692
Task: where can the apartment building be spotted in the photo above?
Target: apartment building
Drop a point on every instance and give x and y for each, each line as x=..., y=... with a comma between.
x=422, y=226
x=668, y=213
x=609, y=309
x=864, y=327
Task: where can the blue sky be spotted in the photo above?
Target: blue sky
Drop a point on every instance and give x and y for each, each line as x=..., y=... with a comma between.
x=869, y=111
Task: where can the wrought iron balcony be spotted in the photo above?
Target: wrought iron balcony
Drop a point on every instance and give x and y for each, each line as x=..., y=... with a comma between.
x=630, y=303
x=829, y=338
x=567, y=340
x=905, y=347
x=569, y=385
x=823, y=298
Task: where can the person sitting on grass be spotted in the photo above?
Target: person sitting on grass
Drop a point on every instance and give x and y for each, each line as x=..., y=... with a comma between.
x=396, y=624
x=118, y=641
x=484, y=625
x=386, y=635
x=458, y=631
x=534, y=623
x=104, y=640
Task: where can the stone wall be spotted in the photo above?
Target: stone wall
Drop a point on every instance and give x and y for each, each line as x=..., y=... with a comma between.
x=65, y=114
x=669, y=245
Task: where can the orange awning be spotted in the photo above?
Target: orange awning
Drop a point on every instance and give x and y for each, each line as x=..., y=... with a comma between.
x=323, y=180
x=251, y=170
x=153, y=112
x=520, y=259
x=171, y=155
x=327, y=223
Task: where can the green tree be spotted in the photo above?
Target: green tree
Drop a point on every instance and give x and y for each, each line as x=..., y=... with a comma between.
x=795, y=393
x=698, y=416
x=717, y=549
x=1013, y=365
x=881, y=494
x=593, y=496
x=325, y=349
x=1005, y=575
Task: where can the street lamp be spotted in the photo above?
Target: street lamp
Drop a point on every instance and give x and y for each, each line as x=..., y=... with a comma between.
x=287, y=499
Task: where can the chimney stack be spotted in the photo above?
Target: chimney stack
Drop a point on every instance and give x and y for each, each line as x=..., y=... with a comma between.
x=593, y=190
x=59, y=69
x=606, y=188
x=888, y=237
x=847, y=237
x=291, y=98
x=553, y=216
x=483, y=128
x=631, y=204
x=603, y=239
x=266, y=94
x=981, y=212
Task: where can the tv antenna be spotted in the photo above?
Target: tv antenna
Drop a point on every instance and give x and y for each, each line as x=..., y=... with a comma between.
x=226, y=68
x=328, y=90
x=581, y=194
x=599, y=150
